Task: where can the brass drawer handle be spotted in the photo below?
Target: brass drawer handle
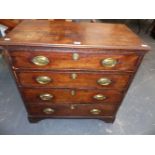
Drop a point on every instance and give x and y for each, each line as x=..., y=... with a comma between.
x=40, y=60
x=99, y=97
x=75, y=56
x=109, y=62
x=46, y=97
x=95, y=111
x=104, y=81
x=43, y=79
x=48, y=111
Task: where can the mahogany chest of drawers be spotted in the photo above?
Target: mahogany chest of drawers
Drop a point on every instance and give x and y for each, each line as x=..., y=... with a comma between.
x=72, y=70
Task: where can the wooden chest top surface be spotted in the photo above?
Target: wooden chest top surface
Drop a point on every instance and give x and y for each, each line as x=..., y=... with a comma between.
x=69, y=34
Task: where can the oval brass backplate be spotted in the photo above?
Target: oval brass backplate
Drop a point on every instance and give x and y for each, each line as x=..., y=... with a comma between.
x=99, y=97
x=109, y=62
x=43, y=79
x=104, y=81
x=40, y=60
x=48, y=111
x=95, y=111
x=46, y=96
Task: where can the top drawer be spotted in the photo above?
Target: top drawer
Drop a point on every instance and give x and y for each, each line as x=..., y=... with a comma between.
x=72, y=60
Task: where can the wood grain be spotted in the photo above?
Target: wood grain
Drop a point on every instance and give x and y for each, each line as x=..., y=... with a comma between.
x=63, y=60
x=63, y=96
x=80, y=110
x=63, y=79
x=53, y=33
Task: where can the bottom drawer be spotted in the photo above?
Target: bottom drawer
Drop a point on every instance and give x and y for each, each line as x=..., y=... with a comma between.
x=73, y=110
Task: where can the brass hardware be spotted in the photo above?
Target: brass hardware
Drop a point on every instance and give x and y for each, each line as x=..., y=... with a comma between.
x=73, y=76
x=72, y=107
x=43, y=79
x=95, y=111
x=7, y=39
x=75, y=56
x=46, y=97
x=109, y=62
x=144, y=45
x=77, y=43
x=40, y=60
x=99, y=97
x=104, y=81
x=48, y=111
x=73, y=92
x=68, y=20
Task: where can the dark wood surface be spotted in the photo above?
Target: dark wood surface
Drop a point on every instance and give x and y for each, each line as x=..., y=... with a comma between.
x=65, y=34
x=80, y=110
x=61, y=79
x=55, y=40
x=63, y=60
x=64, y=96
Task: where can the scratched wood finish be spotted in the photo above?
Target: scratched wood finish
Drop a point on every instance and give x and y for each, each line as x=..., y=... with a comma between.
x=62, y=96
x=65, y=80
x=58, y=41
x=61, y=60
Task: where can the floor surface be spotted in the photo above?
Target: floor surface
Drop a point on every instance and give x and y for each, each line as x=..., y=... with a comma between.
x=135, y=116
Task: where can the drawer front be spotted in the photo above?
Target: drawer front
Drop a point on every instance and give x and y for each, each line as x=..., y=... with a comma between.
x=68, y=60
x=73, y=110
x=74, y=80
x=61, y=96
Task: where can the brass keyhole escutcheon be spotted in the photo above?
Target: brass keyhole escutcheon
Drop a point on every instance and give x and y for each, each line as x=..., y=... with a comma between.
x=104, y=81
x=48, y=111
x=73, y=92
x=95, y=111
x=109, y=62
x=99, y=97
x=72, y=107
x=75, y=56
x=74, y=76
x=43, y=79
x=40, y=60
x=46, y=97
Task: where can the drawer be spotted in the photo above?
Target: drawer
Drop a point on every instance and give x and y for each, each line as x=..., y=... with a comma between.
x=73, y=80
x=76, y=61
x=79, y=96
x=73, y=110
